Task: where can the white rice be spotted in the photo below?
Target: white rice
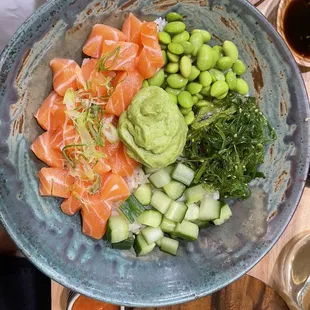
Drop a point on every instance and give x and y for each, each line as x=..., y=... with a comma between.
x=138, y=178
x=161, y=23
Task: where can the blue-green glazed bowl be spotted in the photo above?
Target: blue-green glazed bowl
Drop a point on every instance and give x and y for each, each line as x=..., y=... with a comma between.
x=54, y=242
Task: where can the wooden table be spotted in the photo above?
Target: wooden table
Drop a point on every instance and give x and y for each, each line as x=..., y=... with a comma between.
x=300, y=222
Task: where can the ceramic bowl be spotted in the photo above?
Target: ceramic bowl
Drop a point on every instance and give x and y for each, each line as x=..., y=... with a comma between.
x=54, y=242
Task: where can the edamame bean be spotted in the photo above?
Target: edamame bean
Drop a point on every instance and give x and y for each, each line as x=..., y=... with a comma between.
x=172, y=57
x=197, y=41
x=165, y=57
x=176, y=80
x=172, y=67
x=204, y=58
x=157, y=79
x=223, y=96
x=195, y=99
x=174, y=27
x=239, y=67
x=205, y=34
x=185, y=111
x=173, y=91
x=185, y=66
x=164, y=37
x=219, y=88
x=217, y=75
x=188, y=47
x=173, y=97
x=194, y=88
x=189, y=118
x=176, y=48
x=216, y=57
x=181, y=37
x=218, y=49
x=185, y=99
x=231, y=80
x=224, y=63
x=205, y=91
x=203, y=103
x=173, y=17
x=200, y=96
x=231, y=50
x=205, y=78
x=145, y=84
x=194, y=73
x=242, y=87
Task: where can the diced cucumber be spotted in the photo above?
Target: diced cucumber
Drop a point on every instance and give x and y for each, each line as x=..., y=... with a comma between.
x=187, y=230
x=192, y=212
x=141, y=247
x=152, y=234
x=201, y=224
x=150, y=218
x=160, y=178
x=169, y=245
x=183, y=174
x=158, y=242
x=169, y=169
x=126, y=244
x=160, y=201
x=131, y=208
x=174, y=189
x=148, y=170
x=176, y=211
x=209, y=209
x=143, y=194
x=225, y=214
x=118, y=229
x=194, y=193
x=167, y=225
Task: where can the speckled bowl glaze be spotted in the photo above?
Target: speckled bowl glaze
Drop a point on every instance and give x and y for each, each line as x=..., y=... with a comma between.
x=54, y=242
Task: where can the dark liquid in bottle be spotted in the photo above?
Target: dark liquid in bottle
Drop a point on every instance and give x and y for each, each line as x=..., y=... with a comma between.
x=297, y=26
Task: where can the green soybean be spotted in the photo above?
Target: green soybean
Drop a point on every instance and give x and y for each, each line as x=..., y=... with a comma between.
x=173, y=17
x=188, y=47
x=173, y=91
x=194, y=88
x=231, y=50
x=185, y=66
x=185, y=99
x=197, y=41
x=175, y=27
x=216, y=57
x=157, y=79
x=176, y=80
x=185, y=111
x=200, y=96
x=231, y=80
x=205, y=91
x=172, y=67
x=164, y=37
x=218, y=49
x=205, y=34
x=204, y=58
x=217, y=75
x=176, y=48
x=165, y=57
x=239, y=67
x=173, y=97
x=189, y=118
x=181, y=37
x=202, y=103
x=173, y=57
x=219, y=88
x=145, y=84
x=205, y=78
x=222, y=96
x=242, y=87
x=195, y=99
x=194, y=73
x=224, y=63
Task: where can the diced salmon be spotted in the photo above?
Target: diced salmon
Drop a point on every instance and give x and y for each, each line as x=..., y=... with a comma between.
x=99, y=33
x=51, y=114
x=127, y=84
x=132, y=29
x=42, y=148
x=55, y=182
x=101, y=166
x=115, y=188
x=66, y=74
x=121, y=56
x=71, y=205
x=145, y=64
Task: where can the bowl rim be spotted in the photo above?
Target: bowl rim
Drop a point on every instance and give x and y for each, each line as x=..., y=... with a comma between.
x=57, y=276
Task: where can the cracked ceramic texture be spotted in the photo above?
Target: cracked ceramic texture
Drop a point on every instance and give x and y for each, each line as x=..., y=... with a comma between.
x=54, y=242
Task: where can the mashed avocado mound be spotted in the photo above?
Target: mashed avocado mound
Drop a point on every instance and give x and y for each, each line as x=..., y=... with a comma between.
x=153, y=128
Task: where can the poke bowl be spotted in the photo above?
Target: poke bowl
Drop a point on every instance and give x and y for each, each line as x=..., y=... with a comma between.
x=147, y=137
